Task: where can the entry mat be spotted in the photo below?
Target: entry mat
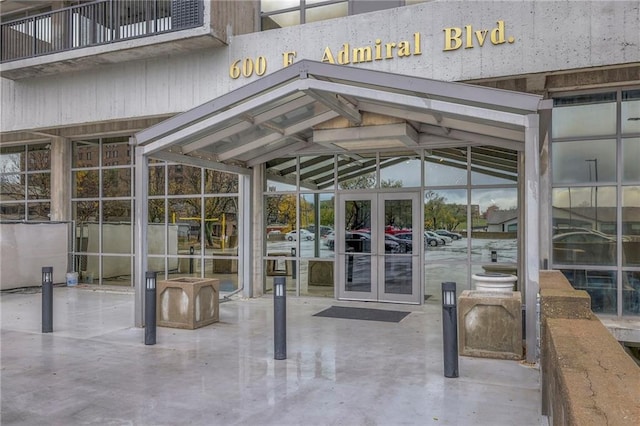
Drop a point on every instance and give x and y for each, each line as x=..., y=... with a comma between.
x=367, y=314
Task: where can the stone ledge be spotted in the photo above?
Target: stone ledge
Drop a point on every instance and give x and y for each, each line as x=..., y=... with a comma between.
x=592, y=380
x=587, y=377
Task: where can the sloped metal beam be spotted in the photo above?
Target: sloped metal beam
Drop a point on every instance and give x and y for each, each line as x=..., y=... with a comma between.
x=200, y=162
x=198, y=129
x=339, y=104
x=464, y=136
x=414, y=102
x=248, y=122
x=274, y=137
x=276, y=153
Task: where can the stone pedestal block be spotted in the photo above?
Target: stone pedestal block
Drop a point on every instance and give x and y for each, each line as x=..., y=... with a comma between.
x=490, y=324
x=321, y=272
x=187, y=302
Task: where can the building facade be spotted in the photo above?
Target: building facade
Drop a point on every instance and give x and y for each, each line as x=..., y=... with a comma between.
x=201, y=134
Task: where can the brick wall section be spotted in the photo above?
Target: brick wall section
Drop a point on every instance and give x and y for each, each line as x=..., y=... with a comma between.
x=587, y=378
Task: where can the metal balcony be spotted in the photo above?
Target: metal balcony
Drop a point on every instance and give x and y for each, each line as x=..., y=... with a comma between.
x=96, y=23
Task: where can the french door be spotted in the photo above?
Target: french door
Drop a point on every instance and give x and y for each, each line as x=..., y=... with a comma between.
x=378, y=247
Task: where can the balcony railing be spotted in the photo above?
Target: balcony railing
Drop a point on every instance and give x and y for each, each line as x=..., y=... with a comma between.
x=96, y=23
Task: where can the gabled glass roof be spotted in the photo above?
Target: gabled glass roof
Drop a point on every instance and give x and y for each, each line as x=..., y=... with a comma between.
x=317, y=109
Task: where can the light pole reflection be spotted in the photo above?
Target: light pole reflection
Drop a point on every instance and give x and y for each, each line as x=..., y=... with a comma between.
x=595, y=163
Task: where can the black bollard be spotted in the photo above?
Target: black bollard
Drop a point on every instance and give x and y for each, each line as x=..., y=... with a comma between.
x=150, y=309
x=47, y=299
x=293, y=264
x=279, y=318
x=450, y=329
x=191, y=252
x=494, y=256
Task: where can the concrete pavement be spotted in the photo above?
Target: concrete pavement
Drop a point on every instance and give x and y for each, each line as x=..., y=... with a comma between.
x=95, y=369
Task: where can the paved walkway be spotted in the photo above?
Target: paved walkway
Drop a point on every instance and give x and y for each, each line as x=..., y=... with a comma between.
x=95, y=369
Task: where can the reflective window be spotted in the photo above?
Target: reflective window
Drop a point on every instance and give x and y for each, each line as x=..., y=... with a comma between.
x=39, y=186
x=116, y=226
x=584, y=224
x=25, y=182
x=601, y=286
x=446, y=168
x=587, y=229
x=184, y=179
x=38, y=211
x=317, y=173
x=317, y=219
x=221, y=225
x=225, y=270
x=326, y=12
x=39, y=157
x=115, y=152
x=631, y=112
x=631, y=293
x=86, y=153
x=493, y=166
x=116, y=270
x=630, y=156
x=631, y=226
x=156, y=179
x=400, y=172
x=12, y=159
x=584, y=115
x=359, y=173
x=86, y=183
x=494, y=225
x=216, y=182
x=117, y=182
x=584, y=161
x=285, y=13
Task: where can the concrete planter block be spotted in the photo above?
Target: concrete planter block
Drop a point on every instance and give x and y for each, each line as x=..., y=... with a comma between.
x=321, y=272
x=490, y=324
x=188, y=302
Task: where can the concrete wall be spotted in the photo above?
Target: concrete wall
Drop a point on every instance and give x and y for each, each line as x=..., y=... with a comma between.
x=587, y=377
x=47, y=247
x=547, y=37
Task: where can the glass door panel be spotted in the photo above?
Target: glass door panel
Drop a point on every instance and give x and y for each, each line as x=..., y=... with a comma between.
x=353, y=247
x=399, y=247
x=373, y=263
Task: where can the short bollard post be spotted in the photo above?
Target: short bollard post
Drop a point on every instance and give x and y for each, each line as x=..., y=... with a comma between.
x=150, y=309
x=450, y=329
x=494, y=256
x=293, y=263
x=47, y=299
x=279, y=318
x=191, y=252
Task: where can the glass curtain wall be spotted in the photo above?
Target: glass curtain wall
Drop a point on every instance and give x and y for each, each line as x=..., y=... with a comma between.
x=286, y=13
x=596, y=197
x=299, y=224
x=102, y=209
x=193, y=223
x=25, y=183
x=470, y=213
x=192, y=214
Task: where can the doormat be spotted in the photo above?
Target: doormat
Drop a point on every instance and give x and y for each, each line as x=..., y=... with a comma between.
x=367, y=314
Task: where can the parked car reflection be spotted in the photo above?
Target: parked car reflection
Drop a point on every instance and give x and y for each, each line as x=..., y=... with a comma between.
x=584, y=247
x=304, y=235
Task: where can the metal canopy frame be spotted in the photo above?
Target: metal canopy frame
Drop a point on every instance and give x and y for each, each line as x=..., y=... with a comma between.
x=318, y=109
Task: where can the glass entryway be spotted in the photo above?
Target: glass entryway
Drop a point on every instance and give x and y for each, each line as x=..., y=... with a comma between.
x=378, y=247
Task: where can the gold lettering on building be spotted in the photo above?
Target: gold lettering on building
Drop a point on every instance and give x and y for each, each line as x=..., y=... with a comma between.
x=379, y=51
x=287, y=58
x=453, y=37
